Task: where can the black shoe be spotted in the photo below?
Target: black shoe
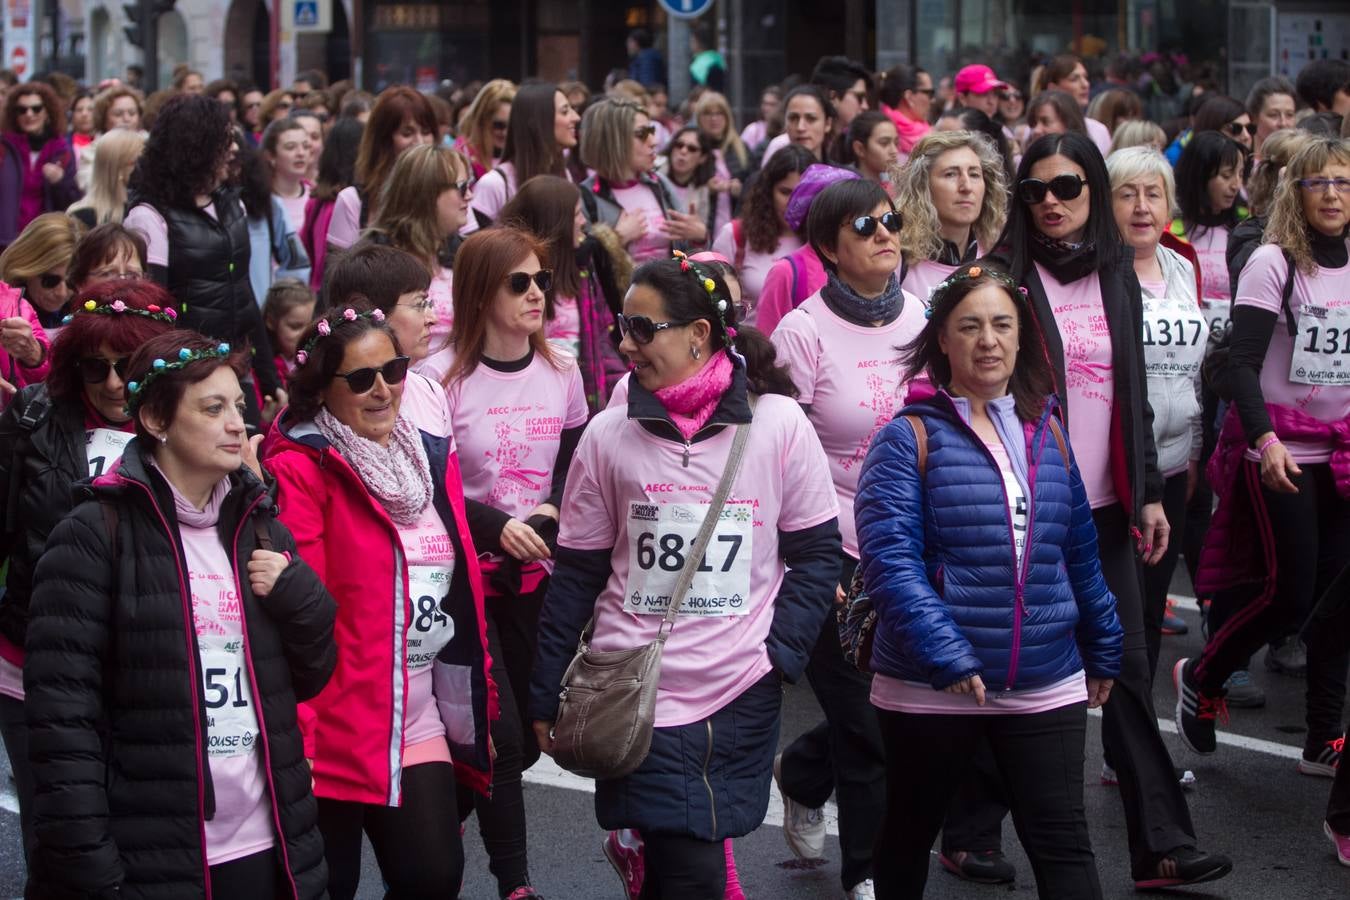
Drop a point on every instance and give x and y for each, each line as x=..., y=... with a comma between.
x=979, y=866
x=1184, y=865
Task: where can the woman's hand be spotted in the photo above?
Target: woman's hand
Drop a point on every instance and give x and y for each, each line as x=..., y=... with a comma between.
x=686, y=227
x=632, y=225
x=264, y=568
x=1099, y=691
x=16, y=336
x=1154, y=533
x=53, y=173
x=972, y=685
x=1277, y=466
x=250, y=454
x=523, y=542
x=543, y=733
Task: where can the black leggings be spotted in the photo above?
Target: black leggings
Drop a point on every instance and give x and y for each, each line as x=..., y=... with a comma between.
x=1158, y=578
x=255, y=877
x=417, y=844
x=683, y=868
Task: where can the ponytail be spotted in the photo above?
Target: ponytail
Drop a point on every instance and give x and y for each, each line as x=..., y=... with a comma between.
x=762, y=371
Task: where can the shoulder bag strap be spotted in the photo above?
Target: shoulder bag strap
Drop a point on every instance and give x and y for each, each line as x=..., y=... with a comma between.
x=921, y=438
x=1059, y=439
x=705, y=531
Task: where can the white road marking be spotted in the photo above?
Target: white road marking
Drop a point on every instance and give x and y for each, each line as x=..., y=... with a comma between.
x=1255, y=745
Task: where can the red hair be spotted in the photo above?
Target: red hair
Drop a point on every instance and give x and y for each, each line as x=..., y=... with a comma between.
x=87, y=332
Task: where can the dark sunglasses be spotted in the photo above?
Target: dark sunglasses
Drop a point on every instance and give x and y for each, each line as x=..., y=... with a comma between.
x=519, y=282
x=31, y=110
x=1065, y=187
x=362, y=380
x=688, y=148
x=95, y=369
x=463, y=186
x=931, y=92
x=644, y=132
x=500, y=126
x=642, y=329
x=866, y=226
x=51, y=282
x=1235, y=128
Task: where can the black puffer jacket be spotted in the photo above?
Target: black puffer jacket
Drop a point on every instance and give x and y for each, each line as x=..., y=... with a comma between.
x=114, y=695
x=41, y=456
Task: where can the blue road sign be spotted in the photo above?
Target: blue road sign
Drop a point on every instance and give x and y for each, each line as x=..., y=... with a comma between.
x=687, y=9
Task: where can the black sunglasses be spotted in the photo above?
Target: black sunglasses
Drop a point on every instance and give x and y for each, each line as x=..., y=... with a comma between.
x=1065, y=187
x=463, y=186
x=500, y=126
x=31, y=110
x=644, y=132
x=362, y=380
x=519, y=282
x=51, y=282
x=95, y=369
x=1235, y=128
x=866, y=226
x=643, y=330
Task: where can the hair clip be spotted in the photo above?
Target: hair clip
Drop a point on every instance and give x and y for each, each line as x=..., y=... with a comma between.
x=118, y=307
x=160, y=366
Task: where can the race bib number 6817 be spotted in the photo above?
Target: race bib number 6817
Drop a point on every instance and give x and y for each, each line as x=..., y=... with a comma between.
x=660, y=538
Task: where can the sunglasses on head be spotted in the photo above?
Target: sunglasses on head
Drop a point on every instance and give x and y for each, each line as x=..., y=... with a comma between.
x=866, y=226
x=519, y=282
x=500, y=126
x=51, y=282
x=644, y=132
x=1235, y=128
x=29, y=110
x=1065, y=187
x=360, y=381
x=642, y=329
x=95, y=369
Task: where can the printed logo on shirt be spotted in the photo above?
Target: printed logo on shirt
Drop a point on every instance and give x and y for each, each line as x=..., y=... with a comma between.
x=883, y=402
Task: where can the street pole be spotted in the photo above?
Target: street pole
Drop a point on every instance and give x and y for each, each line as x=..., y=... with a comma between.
x=150, y=43
x=677, y=59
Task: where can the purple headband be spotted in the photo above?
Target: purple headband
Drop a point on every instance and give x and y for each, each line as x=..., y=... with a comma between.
x=815, y=179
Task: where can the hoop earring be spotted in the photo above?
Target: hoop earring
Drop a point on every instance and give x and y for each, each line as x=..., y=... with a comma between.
x=693, y=351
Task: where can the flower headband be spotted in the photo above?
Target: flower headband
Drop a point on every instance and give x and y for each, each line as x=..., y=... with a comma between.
x=709, y=284
x=117, y=308
x=939, y=291
x=158, y=367
x=325, y=328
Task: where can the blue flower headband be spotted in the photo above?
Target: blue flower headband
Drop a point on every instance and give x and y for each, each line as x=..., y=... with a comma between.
x=158, y=367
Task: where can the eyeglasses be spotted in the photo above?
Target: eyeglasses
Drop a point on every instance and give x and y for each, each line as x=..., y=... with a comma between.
x=111, y=275
x=931, y=92
x=1065, y=187
x=360, y=381
x=688, y=148
x=51, y=282
x=643, y=330
x=866, y=226
x=500, y=126
x=644, y=132
x=1320, y=185
x=519, y=282
x=95, y=369
x=420, y=305
x=23, y=109
x=284, y=105
x=1235, y=128
x=1010, y=95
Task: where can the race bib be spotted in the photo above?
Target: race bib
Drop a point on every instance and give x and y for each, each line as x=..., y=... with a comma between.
x=1175, y=333
x=431, y=627
x=103, y=448
x=660, y=536
x=1218, y=315
x=231, y=719
x=1322, y=347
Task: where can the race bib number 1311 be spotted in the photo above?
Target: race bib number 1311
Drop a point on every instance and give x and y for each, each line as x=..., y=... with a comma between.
x=660, y=537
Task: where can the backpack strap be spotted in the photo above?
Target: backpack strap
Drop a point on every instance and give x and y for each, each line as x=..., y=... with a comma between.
x=920, y=438
x=35, y=412
x=792, y=264
x=1289, y=322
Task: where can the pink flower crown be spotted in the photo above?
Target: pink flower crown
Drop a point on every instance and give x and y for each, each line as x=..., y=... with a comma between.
x=324, y=327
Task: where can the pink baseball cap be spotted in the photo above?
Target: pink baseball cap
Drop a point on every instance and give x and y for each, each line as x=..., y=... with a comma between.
x=977, y=80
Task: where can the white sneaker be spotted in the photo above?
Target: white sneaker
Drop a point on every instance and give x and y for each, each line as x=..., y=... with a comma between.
x=863, y=890
x=803, y=826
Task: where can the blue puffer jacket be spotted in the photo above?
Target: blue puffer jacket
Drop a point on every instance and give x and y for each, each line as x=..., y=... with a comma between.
x=938, y=559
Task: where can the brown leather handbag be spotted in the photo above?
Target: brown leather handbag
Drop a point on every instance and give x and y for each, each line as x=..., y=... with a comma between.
x=607, y=707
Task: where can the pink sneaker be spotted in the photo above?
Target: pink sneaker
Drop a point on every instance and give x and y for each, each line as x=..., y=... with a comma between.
x=1341, y=841
x=734, y=891
x=623, y=849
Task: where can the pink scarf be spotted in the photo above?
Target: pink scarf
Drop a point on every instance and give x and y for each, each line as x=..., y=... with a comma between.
x=910, y=130
x=692, y=401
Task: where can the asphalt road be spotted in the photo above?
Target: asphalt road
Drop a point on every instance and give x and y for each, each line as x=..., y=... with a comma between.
x=1249, y=802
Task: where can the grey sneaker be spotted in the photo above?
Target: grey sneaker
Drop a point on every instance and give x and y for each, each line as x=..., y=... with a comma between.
x=1243, y=692
x=1287, y=656
x=863, y=890
x=803, y=827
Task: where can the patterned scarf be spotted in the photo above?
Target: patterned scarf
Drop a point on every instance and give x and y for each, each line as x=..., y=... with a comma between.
x=398, y=476
x=692, y=401
x=884, y=308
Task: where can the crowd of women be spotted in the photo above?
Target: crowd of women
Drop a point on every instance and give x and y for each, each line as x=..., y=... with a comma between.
x=333, y=425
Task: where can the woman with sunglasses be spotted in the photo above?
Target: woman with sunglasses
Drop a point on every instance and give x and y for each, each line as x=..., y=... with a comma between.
x=839, y=346
x=1226, y=116
x=38, y=264
x=906, y=96
x=689, y=164
x=70, y=427
x=423, y=206
x=517, y=407
x=952, y=198
x=1210, y=175
x=640, y=481
x=172, y=632
x=483, y=131
x=1279, y=536
x=37, y=172
x=377, y=510
x=541, y=132
x=1062, y=244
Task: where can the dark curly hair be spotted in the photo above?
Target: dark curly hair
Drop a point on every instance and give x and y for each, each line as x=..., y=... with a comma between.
x=759, y=215
x=56, y=108
x=190, y=138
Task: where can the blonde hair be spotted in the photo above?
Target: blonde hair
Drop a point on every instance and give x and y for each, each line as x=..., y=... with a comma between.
x=1276, y=150
x=1134, y=163
x=731, y=141
x=1288, y=225
x=1137, y=133
x=407, y=213
x=114, y=152
x=47, y=243
x=920, y=229
x=607, y=136
x=478, y=117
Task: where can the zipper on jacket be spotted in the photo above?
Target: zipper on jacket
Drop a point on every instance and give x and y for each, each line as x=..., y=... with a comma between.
x=707, y=760
x=688, y=441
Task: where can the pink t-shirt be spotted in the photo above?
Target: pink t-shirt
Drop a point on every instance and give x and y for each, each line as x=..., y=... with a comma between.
x=345, y=227
x=1090, y=389
x=242, y=824
x=1308, y=373
x=295, y=208
x=629, y=492
x=922, y=277
x=564, y=329
x=1211, y=248
x=424, y=404
x=493, y=190
x=1100, y=134
x=655, y=243
x=430, y=558
x=919, y=698
x=146, y=221
x=11, y=679
x=850, y=377
x=755, y=267
x=778, y=295
x=508, y=427
x=441, y=295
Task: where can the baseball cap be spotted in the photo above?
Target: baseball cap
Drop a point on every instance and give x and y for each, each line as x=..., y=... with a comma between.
x=815, y=179
x=976, y=80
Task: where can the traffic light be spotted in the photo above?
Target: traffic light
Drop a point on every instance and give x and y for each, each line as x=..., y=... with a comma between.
x=135, y=31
